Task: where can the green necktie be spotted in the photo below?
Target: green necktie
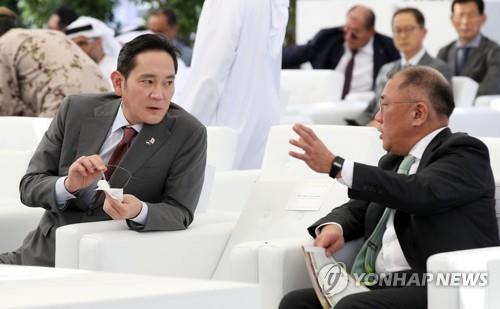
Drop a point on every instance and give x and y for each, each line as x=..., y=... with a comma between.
x=365, y=259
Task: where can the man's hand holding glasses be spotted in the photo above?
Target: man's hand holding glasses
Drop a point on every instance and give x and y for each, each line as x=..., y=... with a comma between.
x=84, y=172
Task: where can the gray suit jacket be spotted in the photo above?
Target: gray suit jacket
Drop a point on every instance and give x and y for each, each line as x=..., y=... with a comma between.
x=383, y=76
x=482, y=65
x=167, y=175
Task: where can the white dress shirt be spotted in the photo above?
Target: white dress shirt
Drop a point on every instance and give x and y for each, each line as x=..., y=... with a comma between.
x=413, y=60
x=362, y=74
x=114, y=136
x=390, y=257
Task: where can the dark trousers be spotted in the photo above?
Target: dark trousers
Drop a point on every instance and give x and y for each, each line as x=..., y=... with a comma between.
x=384, y=298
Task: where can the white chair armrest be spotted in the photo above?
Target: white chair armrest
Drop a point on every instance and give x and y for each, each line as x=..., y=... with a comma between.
x=462, y=262
x=485, y=100
x=194, y=252
x=493, y=297
x=333, y=112
x=365, y=96
x=16, y=221
x=278, y=265
x=68, y=239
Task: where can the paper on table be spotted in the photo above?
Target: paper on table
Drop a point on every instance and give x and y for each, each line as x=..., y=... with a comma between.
x=309, y=196
x=116, y=193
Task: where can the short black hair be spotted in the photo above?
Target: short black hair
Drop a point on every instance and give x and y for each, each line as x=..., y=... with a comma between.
x=437, y=88
x=67, y=15
x=169, y=14
x=141, y=44
x=419, y=17
x=479, y=3
x=7, y=20
x=370, y=16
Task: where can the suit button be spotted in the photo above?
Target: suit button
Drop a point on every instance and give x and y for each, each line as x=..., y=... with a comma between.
x=90, y=212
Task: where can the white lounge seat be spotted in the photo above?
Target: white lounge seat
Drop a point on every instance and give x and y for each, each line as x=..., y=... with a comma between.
x=476, y=121
x=264, y=217
x=464, y=90
x=312, y=86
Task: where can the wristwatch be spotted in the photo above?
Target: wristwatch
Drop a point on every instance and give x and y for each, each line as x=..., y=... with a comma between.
x=337, y=164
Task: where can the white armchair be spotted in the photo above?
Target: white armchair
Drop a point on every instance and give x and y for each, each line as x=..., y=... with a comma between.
x=22, y=133
x=221, y=147
x=464, y=90
x=205, y=250
x=477, y=121
x=17, y=220
x=19, y=137
x=312, y=86
x=486, y=100
x=280, y=266
x=334, y=113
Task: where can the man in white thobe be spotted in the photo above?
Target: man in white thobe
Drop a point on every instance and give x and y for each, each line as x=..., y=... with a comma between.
x=97, y=40
x=235, y=71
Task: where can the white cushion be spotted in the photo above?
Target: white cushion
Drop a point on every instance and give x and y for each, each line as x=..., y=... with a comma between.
x=311, y=86
x=464, y=90
x=13, y=165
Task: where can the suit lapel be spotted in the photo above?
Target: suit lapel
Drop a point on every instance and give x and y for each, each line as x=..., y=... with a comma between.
x=145, y=145
x=94, y=130
x=425, y=60
x=453, y=60
x=433, y=145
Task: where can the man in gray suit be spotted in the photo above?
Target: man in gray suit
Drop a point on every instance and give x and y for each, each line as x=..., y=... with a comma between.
x=408, y=27
x=473, y=54
x=138, y=139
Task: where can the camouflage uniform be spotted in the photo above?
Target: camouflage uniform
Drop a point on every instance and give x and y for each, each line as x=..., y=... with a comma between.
x=39, y=68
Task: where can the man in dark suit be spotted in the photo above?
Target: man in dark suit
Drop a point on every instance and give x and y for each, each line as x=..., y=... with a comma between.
x=333, y=49
x=137, y=139
x=408, y=27
x=473, y=54
x=440, y=199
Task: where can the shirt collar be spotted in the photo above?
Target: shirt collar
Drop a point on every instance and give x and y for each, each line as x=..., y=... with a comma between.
x=367, y=49
x=413, y=60
x=121, y=121
x=418, y=149
x=474, y=43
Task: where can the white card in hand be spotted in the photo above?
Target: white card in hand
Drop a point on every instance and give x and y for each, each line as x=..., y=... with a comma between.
x=116, y=193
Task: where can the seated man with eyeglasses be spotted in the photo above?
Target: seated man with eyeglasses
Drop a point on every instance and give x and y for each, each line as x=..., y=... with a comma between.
x=356, y=50
x=408, y=28
x=432, y=192
x=135, y=138
x=473, y=54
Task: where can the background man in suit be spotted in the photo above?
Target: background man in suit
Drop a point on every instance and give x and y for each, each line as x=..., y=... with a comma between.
x=473, y=54
x=164, y=21
x=355, y=50
x=143, y=143
x=408, y=28
x=440, y=199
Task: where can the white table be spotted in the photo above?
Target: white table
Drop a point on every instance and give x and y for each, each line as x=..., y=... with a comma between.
x=39, y=287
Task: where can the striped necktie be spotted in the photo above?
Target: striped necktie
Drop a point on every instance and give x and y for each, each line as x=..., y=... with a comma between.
x=365, y=259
